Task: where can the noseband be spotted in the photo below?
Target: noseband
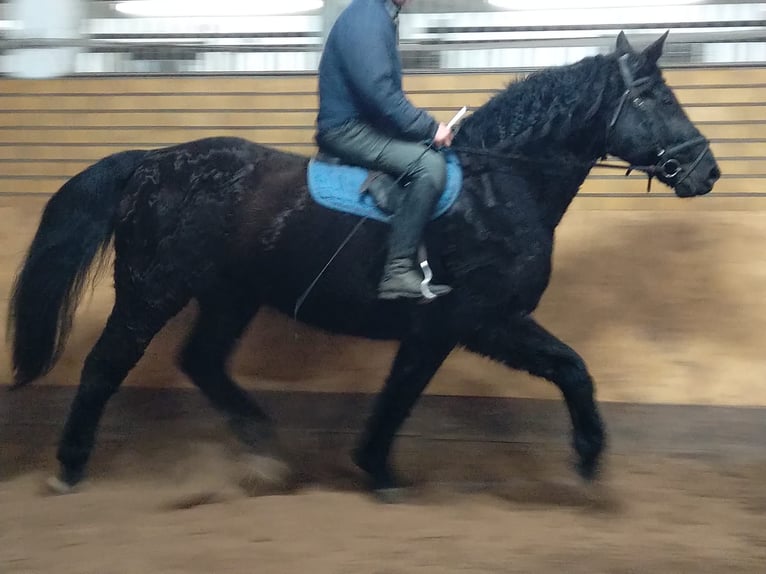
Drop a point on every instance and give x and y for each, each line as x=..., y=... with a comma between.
x=667, y=166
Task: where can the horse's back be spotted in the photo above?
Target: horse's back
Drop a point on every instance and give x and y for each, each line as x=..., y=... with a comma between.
x=220, y=210
x=192, y=204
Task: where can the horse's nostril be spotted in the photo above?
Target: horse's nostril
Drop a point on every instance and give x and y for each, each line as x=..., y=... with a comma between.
x=715, y=173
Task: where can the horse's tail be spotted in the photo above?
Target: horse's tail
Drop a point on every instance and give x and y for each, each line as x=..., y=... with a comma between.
x=76, y=227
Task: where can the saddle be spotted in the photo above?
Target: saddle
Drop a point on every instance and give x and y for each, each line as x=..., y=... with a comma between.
x=387, y=194
x=382, y=188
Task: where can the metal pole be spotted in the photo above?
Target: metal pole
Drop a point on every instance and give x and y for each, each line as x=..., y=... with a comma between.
x=44, y=20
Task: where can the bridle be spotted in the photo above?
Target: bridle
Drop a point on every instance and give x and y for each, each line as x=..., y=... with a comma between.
x=667, y=167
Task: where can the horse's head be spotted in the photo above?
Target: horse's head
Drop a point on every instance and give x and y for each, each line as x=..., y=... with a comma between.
x=651, y=131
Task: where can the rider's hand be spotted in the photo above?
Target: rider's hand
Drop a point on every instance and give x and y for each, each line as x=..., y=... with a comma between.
x=443, y=137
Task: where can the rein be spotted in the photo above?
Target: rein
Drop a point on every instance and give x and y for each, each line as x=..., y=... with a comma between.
x=600, y=163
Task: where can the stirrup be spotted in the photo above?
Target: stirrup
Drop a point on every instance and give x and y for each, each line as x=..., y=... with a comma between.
x=425, y=284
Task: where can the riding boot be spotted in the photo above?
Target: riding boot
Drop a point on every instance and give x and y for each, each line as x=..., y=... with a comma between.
x=402, y=277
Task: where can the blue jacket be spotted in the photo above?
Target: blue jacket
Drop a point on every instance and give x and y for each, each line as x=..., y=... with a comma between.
x=360, y=76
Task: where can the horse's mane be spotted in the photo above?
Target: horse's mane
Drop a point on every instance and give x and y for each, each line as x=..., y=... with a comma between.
x=546, y=106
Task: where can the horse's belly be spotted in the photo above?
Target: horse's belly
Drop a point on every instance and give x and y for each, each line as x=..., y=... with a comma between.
x=381, y=321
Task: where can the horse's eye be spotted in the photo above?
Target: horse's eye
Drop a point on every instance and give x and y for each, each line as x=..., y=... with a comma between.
x=665, y=98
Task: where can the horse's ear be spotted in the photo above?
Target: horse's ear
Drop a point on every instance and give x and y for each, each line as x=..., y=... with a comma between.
x=623, y=46
x=653, y=52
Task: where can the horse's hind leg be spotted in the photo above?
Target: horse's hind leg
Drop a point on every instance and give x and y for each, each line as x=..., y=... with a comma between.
x=223, y=317
x=129, y=329
x=523, y=344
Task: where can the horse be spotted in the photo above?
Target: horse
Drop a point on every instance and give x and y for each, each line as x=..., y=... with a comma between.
x=231, y=224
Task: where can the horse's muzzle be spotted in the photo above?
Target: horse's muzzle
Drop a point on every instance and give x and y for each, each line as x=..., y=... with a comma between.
x=701, y=180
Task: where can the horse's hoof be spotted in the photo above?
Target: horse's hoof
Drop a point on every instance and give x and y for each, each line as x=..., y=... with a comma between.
x=262, y=475
x=67, y=480
x=588, y=469
x=589, y=448
x=384, y=485
x=58, y=486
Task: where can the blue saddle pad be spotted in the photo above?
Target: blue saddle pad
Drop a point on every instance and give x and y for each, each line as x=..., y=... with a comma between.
x=338, y=187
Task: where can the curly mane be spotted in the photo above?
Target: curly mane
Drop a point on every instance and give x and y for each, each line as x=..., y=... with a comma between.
x=548, y=106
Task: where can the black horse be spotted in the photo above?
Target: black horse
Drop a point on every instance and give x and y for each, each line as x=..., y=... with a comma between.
x=231, y=224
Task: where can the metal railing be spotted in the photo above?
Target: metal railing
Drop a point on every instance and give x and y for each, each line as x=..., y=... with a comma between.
x=711, y=34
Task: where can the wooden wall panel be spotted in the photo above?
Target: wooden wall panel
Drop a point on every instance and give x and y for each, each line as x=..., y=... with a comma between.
x=49, y=129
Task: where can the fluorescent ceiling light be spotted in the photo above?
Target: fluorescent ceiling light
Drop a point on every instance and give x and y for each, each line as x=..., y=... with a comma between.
x=574, y=4
x=175, y=8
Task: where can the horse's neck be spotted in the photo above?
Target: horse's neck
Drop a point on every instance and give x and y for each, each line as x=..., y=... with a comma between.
x=559, y=159
x=569, y=166
x=552, y=176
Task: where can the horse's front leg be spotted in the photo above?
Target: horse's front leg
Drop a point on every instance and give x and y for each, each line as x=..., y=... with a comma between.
x=420, y=355
x=523, y=344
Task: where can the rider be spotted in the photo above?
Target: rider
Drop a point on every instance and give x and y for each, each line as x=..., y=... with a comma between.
x=365, y=119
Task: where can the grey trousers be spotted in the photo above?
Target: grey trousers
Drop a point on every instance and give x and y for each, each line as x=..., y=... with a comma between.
x=425, y=174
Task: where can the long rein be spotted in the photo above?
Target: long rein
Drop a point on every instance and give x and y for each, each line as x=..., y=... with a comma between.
x=650, y=170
